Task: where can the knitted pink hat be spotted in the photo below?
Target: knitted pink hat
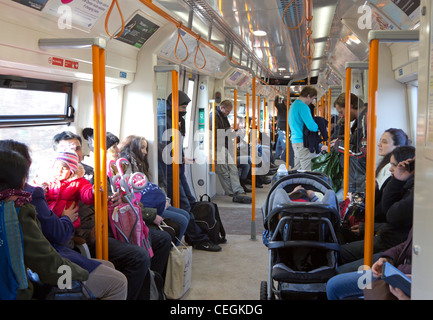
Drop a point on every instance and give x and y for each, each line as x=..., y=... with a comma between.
x=70, y=158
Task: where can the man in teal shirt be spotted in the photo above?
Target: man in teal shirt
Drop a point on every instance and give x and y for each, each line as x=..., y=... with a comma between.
x=300, y=115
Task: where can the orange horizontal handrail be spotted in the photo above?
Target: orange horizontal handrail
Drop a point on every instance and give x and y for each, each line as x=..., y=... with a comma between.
x=179, y=25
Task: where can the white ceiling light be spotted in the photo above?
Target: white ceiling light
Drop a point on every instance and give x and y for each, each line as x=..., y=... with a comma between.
x=259, y=33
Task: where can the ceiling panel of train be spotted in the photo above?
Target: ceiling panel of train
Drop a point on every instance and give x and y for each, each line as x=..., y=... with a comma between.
x=304, y=38
x=339, y=32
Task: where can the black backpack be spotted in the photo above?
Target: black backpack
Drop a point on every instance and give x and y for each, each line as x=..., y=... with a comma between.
x=207, y=217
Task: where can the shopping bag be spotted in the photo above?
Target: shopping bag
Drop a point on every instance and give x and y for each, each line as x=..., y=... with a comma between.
x=178, y=275
x=329, y=164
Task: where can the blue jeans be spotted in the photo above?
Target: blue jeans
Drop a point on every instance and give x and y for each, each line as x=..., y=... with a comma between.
x=348, y=285
x=281, y=144
x=180, y=216
x=244, y=168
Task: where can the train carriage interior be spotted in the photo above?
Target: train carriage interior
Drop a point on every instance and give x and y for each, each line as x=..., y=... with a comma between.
x=251, y=52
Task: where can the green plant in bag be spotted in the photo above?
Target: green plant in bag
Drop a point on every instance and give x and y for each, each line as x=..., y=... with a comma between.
x=329, y=164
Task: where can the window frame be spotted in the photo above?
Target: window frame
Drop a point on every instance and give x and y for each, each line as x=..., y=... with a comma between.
x=22, y=83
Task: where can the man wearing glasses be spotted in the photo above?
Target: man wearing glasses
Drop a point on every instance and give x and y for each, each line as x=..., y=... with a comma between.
x=225, y=166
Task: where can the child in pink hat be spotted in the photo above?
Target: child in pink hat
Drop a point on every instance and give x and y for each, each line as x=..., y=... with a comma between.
x=68, y=185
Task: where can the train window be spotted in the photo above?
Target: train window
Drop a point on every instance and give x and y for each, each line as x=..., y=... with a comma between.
x=34, y=102
x=29, y=102
x=39, y=141
x=32, y=111
x=189, y=115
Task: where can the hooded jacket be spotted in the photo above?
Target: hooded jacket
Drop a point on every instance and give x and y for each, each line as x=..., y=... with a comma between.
x=183, y=100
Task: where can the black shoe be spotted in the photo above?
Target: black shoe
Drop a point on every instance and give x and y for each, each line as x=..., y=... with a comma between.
x=243, y=184
x=271, y=172
x=264, y=179
x=259, y=185
x=240, y=198
x=207, y=246
x=246, y=189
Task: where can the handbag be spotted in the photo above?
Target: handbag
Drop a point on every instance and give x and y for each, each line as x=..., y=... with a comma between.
x=379, y=291
x=178, y=274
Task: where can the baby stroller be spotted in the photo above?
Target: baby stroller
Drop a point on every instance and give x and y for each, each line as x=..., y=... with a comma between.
x=301, y=238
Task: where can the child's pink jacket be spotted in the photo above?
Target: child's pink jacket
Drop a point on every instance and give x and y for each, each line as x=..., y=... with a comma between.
x=61, y=194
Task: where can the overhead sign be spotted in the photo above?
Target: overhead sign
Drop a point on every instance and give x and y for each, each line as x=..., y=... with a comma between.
x=285, y=82
x=137, y=31
x=35, y=4
x=409, y=7
x=82, y=13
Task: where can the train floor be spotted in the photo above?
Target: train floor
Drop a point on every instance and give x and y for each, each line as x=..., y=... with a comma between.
x=236, y=271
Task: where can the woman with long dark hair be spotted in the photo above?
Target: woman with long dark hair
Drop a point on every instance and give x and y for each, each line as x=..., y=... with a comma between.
x=134, y=149
x=395, y=208
x=390, y=139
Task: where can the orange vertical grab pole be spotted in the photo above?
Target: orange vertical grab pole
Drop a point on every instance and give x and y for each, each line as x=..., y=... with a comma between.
x=373, y=68
x=329, y=120
x=347, y=132
x=97, y=178
x=175, y=133
x=253, y=155
x=103, y=154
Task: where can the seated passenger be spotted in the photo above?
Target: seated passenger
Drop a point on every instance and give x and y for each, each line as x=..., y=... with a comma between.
x=133, y=261
x=134, y=149
x=160, y=240
x=104, y=281
x=390, y=139
x=68, y=185
x=395, y=207
x=34, y=251
x=346, y=285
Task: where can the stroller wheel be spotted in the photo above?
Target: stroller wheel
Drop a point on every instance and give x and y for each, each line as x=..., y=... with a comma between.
x=264, y=291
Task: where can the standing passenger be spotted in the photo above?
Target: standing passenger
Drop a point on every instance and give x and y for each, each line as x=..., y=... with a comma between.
x=357, y=140
x=300, y=115
x=225, y=168
x=281, y=126
x=193, y=234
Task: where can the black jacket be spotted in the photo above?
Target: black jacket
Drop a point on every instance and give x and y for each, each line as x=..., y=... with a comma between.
x=221, y=122
x=282, y=115
x=312, y=139
x=396, y=210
